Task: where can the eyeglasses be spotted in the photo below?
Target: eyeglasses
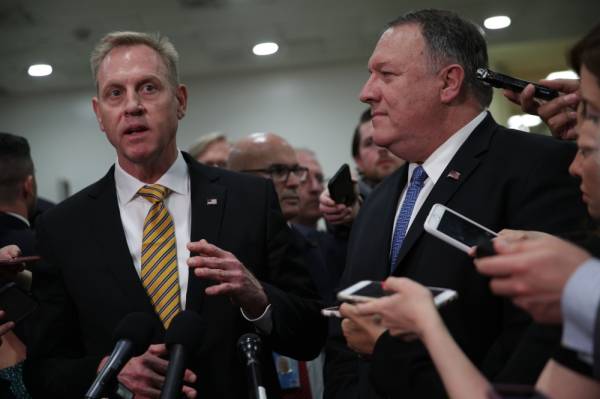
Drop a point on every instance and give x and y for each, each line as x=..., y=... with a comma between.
x=281, y=173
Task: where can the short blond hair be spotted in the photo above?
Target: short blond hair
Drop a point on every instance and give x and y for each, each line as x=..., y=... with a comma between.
x=203, y=142
x=159, y=43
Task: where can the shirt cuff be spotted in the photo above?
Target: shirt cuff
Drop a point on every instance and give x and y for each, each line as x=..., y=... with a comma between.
x=579, y=303
x=264, y=322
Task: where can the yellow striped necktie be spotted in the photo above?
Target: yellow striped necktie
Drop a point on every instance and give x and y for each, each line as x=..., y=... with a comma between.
x=159, y=255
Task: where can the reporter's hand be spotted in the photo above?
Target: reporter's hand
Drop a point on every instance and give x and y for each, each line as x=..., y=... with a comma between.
x=361, y=332
x=337, y=214
x=232, y=277
x=560, y=113
x=5, y=327
x=145, y=375
x=410, y=310
x=9, y=272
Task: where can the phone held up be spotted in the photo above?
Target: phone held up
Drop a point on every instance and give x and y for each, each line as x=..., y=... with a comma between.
x=501, y=81
x=459, y=231
x=367, y=290
x=341, y=187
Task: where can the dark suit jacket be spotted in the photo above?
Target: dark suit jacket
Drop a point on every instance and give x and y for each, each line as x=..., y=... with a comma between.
x=88, y=284
x=508, y=179
x=15, y=231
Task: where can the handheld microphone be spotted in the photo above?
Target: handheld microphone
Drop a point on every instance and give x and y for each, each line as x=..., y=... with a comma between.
x=249, y=346
x=183, y=338
x=132, y=337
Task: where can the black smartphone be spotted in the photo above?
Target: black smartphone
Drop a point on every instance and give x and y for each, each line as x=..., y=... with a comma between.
x=501, y=81
x=513, y=391
x=15, y=303
x=341, y=187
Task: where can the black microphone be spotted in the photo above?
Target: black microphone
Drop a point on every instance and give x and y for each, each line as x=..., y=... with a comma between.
x=132, y=337
x=249, y=345
x=183, y=338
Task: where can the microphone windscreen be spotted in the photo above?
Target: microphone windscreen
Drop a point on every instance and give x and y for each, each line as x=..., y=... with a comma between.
x=186, y=329
x=249, y=342
x=139, y=328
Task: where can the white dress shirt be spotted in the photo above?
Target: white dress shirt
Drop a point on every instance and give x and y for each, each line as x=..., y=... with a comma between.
x=134, y=208
x=435, y=165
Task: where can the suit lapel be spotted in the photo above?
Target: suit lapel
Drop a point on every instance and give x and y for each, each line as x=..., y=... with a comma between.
x=465, y=161
x=108, y=227
x=207, y=205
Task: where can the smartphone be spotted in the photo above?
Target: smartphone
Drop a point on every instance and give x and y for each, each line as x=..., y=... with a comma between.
x=367, y=290
x=501, y=81
x=456, y=229
x=513, y=391
x=341, y=187
x=332, y=311
x=15, y=303
x=19, y=259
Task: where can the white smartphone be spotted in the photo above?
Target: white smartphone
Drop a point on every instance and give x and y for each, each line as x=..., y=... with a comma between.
x=456, y=229
x=367, y=290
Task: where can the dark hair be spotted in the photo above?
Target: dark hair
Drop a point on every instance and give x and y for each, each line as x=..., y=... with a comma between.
x=364, y=117
x=587, y=52
x=15, y=165
x=451, y=39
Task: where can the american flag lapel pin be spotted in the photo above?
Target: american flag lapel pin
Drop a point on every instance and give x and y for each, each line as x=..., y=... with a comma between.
x=454, y=175
x=211, y=201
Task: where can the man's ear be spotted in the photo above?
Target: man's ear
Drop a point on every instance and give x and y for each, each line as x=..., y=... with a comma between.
x=182, y=95
x=29, y=189
x=96, y=107
x=452, y=77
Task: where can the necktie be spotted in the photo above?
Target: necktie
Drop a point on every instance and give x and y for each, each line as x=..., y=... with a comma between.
x=416, y=184
x=160, y=277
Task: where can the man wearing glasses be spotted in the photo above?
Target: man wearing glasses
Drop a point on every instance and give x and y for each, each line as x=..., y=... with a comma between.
x=268, y=155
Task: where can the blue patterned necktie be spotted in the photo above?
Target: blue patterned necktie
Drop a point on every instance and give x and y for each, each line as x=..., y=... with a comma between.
x=416, y=184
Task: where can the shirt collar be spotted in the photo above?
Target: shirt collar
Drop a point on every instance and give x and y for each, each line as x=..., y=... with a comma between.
x=20, y=217
x=176, y=179
x=435, y=164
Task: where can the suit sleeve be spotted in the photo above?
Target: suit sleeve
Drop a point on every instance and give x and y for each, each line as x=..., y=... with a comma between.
x=56, y=366
x=299, y=330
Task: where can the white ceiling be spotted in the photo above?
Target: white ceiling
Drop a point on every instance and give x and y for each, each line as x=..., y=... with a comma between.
x=216, y=36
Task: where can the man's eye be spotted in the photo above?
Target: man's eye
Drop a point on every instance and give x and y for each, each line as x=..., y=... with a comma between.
x=148, y=88
x=114, y=93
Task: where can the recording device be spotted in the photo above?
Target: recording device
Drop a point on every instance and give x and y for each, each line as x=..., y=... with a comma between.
x=514, y=391
x=132, y=337
x=341, y=187
x=183, y=338
x=501, y=81
x=367, y=290
x=249, y=346
x=19, y=260
x=456, y=229
x=15, y=303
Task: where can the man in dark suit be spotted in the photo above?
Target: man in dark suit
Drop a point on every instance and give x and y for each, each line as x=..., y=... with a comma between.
x=158, y=234
x=429, y=109
x=17, y=193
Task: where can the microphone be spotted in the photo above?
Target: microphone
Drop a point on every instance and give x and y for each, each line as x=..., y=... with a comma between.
x=183, y=338
x=133, y=335
x=249, y=346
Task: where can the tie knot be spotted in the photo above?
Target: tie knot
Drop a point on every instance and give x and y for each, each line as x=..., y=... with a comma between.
x=419, y=176
x=154, y=192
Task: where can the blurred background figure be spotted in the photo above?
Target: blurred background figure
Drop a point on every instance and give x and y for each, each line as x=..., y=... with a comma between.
x=211, y=149
x=309, y=190
x=374, y=163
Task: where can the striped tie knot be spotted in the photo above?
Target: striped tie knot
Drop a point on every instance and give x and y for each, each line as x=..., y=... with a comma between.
x=154, y=192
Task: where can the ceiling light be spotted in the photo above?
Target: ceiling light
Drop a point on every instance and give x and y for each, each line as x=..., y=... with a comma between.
x=267, y=48
x=562, y=75
x=497, y=22
x=523, y=122
x=39, y=70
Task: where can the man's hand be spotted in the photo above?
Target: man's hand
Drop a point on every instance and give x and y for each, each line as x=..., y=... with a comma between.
x=361, y=332
x=144, y=375
x=337, y=214
x=533, y=272
x=9, y=272
x=560, y=113
x=410, y=310
x=231, y=276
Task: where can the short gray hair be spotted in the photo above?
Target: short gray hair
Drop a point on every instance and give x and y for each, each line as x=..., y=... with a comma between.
x=204, y=141
x=450, y=38
x=159, y=43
